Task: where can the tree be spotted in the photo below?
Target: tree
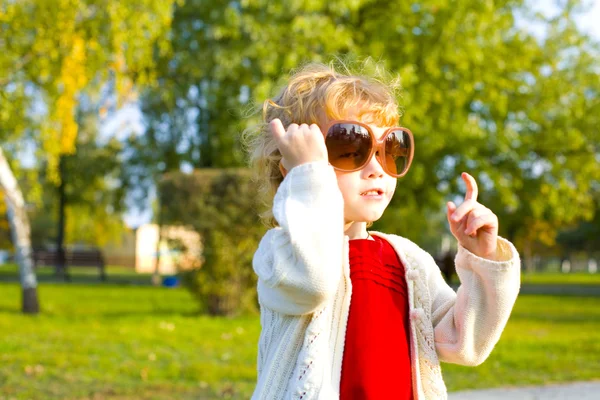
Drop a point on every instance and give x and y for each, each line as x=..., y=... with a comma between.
x=481, y=93
x=486, y=96
x=88, y=203
x=62, y=48
x=17, y=218
x=584, y=236
x=226, y=54
x=4, y=227
x=219, y=204
x=220, y=51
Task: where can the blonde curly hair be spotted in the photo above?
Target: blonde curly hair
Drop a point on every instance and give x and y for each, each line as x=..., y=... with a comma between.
x=317, y=92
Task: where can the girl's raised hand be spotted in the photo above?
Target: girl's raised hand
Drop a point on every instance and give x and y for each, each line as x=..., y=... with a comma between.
x=472, y=224
x=300, y=144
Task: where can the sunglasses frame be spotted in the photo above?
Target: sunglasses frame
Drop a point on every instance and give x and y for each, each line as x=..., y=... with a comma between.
x=377, y=145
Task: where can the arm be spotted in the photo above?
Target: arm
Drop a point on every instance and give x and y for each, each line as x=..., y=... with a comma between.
x=299, y=264
x=468, y=324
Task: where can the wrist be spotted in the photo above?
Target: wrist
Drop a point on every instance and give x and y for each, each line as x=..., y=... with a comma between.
x=303, y=162
x=492, y=256
x=498, y=254
x=488, y=255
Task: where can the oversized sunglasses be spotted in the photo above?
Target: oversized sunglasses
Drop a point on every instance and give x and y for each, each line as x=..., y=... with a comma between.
x=351, y=145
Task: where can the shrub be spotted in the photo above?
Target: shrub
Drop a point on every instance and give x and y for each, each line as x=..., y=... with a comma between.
x=221, y=205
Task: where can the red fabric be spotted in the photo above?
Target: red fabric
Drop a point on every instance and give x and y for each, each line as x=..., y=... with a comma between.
x=376, y=363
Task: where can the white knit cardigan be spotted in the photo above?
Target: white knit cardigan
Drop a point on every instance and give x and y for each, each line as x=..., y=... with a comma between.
x=304, y=291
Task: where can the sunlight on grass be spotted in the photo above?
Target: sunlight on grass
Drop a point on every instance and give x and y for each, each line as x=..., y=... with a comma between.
x=108, y=341
x=547, y=339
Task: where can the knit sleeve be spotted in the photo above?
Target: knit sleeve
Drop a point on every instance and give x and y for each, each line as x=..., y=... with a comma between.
x=299, y=264
x=468, y=323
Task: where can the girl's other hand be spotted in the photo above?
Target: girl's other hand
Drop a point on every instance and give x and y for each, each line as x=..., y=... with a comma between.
x=472, y=224
x=300, y=144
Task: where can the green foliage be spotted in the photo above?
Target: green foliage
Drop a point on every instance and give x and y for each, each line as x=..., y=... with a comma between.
x=94, y=195
x=488, y=97
x=481, y=93
x=221, y=205
x=583, y=237
x=51, y=52
x=64, y=47
x=225, y=56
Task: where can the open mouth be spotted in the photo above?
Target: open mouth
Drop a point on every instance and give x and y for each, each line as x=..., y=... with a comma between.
x=372, y=192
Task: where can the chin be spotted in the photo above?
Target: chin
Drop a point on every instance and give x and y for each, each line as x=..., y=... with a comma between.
x=359, y=213
x=368, y=218
x=372, y=219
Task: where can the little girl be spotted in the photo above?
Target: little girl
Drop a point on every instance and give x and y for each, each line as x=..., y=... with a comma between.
x=352, y=314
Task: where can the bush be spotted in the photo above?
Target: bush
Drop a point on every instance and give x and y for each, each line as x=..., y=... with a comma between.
x=221, y=205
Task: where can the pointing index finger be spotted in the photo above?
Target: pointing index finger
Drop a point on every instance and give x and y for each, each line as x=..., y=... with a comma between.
x=472, y=190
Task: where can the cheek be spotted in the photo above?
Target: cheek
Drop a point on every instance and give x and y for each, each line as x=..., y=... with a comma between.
x=345, y=183
x=344, y=189
x=392, y=187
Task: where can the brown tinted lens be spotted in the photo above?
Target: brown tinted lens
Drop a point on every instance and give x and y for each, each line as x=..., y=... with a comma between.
x=348, y=146
x=398, y=146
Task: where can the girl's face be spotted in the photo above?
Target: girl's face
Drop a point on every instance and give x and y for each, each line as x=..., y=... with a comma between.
x=366, y=192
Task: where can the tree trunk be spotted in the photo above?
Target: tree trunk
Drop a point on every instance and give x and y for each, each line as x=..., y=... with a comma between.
x=156, y=275
x=20, y=232
x=61, y=265
x=529, y=264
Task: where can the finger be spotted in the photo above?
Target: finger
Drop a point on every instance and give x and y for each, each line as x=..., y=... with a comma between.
x=471, y=216
x=479, y=223
x=277, y=129
x=451, y=207
x=472, y=190
x=315, y=128
x=488, y=219
x=463, y=210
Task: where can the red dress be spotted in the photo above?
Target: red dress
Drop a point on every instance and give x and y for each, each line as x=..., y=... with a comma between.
x=376, y=361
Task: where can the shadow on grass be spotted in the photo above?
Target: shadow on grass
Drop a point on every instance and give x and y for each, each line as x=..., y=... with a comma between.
x=154, y=313
x=85, y=279
x=109, y=316
x=14, y=311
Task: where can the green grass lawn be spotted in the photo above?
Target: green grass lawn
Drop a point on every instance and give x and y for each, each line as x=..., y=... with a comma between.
x=101, y=341
x=557, y=278
x=132, y=342
x=547, y=339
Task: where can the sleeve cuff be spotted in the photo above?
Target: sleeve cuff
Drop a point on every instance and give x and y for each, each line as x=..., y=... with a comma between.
x=506, y=253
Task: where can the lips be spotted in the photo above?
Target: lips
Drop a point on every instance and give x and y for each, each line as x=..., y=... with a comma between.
x=372, y=192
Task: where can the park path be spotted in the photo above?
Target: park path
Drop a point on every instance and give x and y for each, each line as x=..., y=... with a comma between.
x=577, y=390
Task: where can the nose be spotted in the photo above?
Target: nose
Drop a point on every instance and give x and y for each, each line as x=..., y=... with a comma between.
x=374, y=169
